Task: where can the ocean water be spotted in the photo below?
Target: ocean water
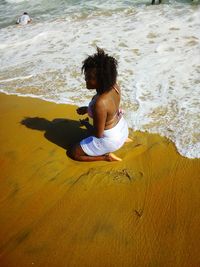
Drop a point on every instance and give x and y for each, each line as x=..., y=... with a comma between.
x=157, y=48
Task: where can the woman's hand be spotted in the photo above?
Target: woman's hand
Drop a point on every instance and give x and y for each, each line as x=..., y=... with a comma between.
x=88, y=126
x=82, y=110
x=84, y=122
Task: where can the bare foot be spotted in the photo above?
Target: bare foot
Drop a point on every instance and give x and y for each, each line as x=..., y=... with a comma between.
x=112, y=157
x=128, y=140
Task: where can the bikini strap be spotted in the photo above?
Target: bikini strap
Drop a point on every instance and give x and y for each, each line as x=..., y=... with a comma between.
x=116, y=89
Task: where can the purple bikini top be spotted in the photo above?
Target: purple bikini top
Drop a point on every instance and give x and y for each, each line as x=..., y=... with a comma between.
x=90, y=113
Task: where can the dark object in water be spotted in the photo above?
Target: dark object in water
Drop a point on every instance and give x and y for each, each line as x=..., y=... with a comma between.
x=153, y=2
x=159, y=1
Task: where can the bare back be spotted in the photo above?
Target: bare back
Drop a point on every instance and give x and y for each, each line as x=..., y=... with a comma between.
x=111, y=101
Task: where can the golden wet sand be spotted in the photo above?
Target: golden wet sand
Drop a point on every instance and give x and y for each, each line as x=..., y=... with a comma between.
x=56, y=212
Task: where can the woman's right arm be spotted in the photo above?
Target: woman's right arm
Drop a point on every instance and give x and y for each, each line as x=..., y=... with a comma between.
x=82, y=110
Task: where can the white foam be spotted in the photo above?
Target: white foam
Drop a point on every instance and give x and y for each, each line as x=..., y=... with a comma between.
x=16, y=1
x=16, y=79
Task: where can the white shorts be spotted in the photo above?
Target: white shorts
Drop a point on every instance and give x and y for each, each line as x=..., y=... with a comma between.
x=111, y=140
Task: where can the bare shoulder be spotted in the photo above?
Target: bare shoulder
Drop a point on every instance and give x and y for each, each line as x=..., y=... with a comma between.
x=100, y=102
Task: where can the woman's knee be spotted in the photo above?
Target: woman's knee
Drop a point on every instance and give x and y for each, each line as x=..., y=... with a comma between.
x=75, y=152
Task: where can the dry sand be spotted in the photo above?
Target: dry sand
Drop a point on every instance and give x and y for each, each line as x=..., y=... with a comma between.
x=56, y=212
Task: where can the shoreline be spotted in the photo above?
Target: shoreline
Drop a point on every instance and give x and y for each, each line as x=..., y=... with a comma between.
x=71, y=104
x=57, y=212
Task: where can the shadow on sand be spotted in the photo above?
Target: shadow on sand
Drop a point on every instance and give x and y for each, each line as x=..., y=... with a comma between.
x=62, y=132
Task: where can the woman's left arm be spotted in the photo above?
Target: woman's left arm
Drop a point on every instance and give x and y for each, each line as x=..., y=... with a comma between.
x=99, y=117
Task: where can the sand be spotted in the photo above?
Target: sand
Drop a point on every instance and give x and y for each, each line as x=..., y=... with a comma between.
x=56, y=212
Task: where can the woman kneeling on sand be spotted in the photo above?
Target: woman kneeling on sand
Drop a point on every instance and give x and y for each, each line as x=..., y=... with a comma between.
x=109, y=130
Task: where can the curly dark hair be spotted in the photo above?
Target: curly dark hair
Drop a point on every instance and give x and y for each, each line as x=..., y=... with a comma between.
x=106, y=69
